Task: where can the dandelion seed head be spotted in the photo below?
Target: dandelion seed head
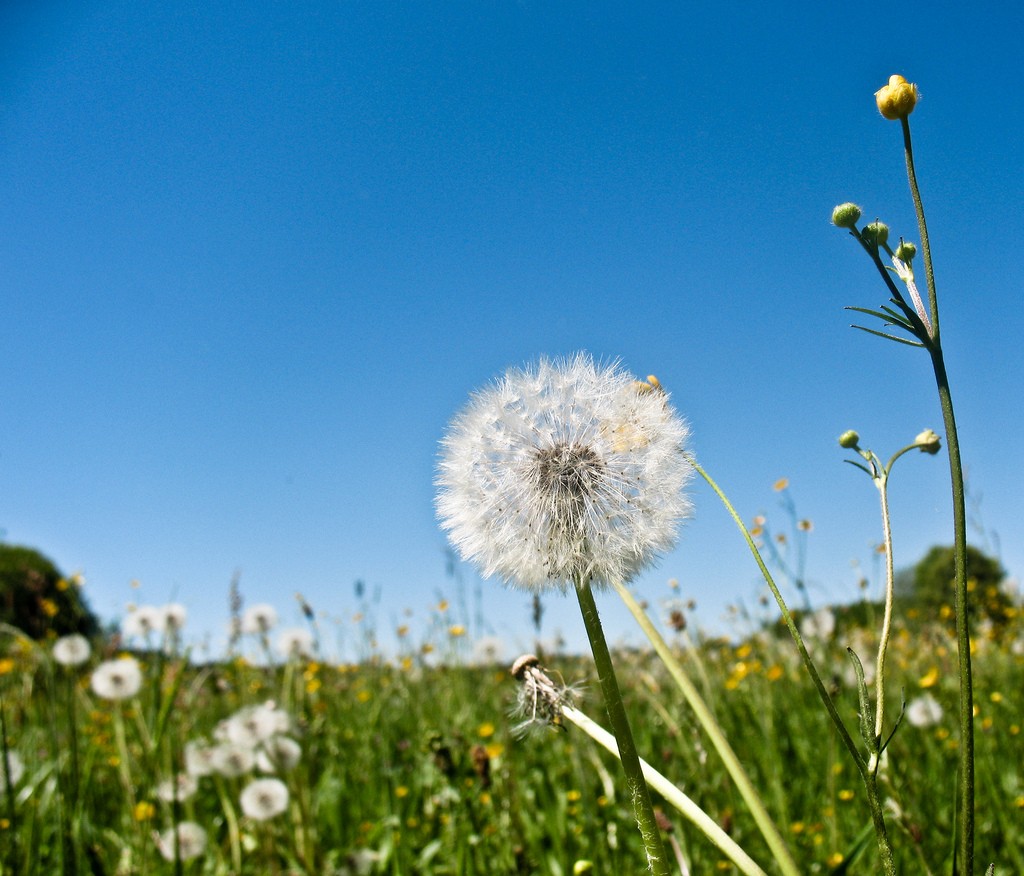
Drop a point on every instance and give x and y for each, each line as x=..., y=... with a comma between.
x=144, y=621
x=262, y=799
x=564, y=473
x=924, y=711
x=182, y=787
x=72, y=650
x=15, y=769
x=232, y=760
x=277, y=754
x=191, y=841
x=295, y=643
x=117, y=679
x=260, y=618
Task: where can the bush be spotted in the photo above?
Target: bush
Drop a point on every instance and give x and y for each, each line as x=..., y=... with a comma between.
x=37, y=599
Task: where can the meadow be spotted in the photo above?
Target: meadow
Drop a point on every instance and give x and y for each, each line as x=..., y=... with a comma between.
x=410, y=764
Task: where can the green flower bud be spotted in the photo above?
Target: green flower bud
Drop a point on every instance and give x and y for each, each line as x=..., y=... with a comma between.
x=849, y=439
x=876, y=233
x=928, y=441
x=846, y=215
x=905, y=252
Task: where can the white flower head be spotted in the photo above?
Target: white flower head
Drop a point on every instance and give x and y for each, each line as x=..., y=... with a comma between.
x=199, y=759
x=819, y=625
x=262, y=799
x=260, y=618
x=295, y=643
x=182, y=787
x=117, y=679
x=232, y=760
x=73, y=650
x=144, y=621
x=278, y=754
x=175, y=616
x=15, y=769
x=564, y=473
x=191, y=841
x=255, y=724
x=923, y=711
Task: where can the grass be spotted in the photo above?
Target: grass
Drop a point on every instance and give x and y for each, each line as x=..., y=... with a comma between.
x=411, y=768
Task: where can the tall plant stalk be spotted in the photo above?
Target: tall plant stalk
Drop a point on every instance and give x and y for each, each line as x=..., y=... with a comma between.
x=640, y=796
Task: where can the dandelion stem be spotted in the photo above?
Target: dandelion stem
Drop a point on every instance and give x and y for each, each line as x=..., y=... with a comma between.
x=640, y=797
x=707, y=720
x=689, y=809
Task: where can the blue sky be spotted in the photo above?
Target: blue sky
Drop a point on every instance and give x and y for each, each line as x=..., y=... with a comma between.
x=256, y=255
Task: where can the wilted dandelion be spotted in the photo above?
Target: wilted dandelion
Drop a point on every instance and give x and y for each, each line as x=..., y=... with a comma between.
x=564, y=473
x=262, y=799
x=117, y=679
x=72, y=650
x=541, y=699
x=259, y=619
x=191, y=841
x=295, y=643
x=924, y=711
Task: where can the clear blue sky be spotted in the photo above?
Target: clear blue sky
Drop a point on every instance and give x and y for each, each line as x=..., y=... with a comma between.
x=253, y=256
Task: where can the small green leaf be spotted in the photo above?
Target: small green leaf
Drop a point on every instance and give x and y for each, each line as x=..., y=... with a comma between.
x=890, y=337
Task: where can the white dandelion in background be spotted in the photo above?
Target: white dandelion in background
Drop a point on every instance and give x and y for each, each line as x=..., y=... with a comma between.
x=72, y=650
x=924, y=711
x=259, y=619
x=180, y=788
x=278, y=754
x=232, y=760
x=819, y=625
x=200, y=759
x=14, y=772
x=262, y=799
x=117, y=679
x=191, y=842
x=253, y=725
x=144, y=621
x=295, y=643
x=175, y=617
x=564, y=473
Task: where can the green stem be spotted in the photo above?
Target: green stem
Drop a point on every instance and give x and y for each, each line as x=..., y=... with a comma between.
x=687, y=807
x=922, y=226
x=881, y=482
x=707, y=720
x=877, y=817
x=640, y=797
x=966, y=832
x=963, y=638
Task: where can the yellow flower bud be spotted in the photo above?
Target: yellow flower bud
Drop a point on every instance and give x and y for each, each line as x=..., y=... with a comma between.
x=897, y=99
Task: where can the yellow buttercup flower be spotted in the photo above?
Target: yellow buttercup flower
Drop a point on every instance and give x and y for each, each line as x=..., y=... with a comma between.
x=897, y=99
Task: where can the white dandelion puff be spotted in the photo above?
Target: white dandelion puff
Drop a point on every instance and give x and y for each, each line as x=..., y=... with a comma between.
x=117, y=679
x=200, y=759
x=564, y=473
x=262, y=799
x=923, y=711
x=253, y=725
x=182, y=787
x=232, y=760
x=295, y=643
x=72, y=650
x=278, y=754
x=175, y=616
x=143, y=622
x=191, y=841
x=15, y=769
x=260, y=618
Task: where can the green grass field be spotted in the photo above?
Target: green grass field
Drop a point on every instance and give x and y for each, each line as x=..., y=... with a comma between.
x=410, y=766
